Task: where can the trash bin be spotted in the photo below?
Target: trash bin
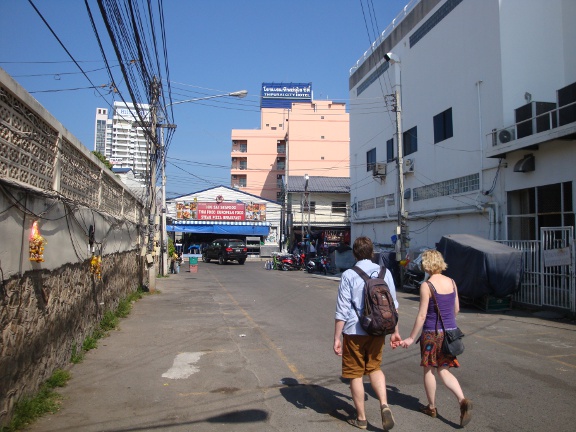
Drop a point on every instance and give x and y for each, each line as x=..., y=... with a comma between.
x=193, y=262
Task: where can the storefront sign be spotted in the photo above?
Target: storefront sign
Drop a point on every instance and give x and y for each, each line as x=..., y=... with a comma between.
x=224, y=211
x=221, y=211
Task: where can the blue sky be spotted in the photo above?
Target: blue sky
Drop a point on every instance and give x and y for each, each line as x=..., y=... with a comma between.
x=214, y=47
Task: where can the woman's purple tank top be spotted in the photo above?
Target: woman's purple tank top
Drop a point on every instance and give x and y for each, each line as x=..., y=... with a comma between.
x=446, y=304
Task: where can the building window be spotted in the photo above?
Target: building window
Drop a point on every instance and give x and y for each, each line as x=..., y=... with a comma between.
x=390, y=150
x=443, y=126
x=279, y=196
x=243, y=147
x=458, y=185
x=339, y=207
x=312, y=207
x=322, y=137
x=534, y=208
x=410, y=141
x=280, y=163
x=242, y=181
x=370, y=159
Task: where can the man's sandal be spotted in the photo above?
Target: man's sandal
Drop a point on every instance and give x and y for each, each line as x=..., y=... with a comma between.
x=387, y=418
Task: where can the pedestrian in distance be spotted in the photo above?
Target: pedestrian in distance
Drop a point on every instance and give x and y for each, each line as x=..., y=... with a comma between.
x=433, y=359
x=361, y=353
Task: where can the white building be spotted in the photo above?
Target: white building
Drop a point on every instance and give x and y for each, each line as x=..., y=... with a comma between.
x=120, y=138
x=472, y=77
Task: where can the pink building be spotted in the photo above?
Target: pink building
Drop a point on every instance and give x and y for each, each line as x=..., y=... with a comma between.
x=297, y=136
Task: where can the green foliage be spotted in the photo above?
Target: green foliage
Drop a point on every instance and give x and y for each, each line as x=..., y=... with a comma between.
x=124, y=308
x=77, y=355
x=47, y=400
x=109, y=321
x=103, y=159
x=171, y=247
x=90, y=343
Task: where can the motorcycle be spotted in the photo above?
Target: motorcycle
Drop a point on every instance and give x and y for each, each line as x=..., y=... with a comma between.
x=414, y=275
x=288, y=262
x=320, y=264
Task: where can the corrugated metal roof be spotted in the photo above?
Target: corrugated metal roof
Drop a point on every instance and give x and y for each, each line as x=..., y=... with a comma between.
x=319, y=184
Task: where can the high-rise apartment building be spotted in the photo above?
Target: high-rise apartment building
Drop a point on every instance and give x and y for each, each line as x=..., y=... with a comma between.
x=297, y=136
x=121, y=139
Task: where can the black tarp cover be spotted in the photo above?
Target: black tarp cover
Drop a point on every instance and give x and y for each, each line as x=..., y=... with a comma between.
x=481, y=267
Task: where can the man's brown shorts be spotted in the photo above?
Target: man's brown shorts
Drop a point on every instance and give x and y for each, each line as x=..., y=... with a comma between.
x=361, y=355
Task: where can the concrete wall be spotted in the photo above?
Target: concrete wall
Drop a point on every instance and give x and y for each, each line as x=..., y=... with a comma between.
x=48, y=306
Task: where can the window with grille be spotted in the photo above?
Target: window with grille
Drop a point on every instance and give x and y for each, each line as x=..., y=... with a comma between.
x=339, y=207
x=312, y=207
x=534, y=208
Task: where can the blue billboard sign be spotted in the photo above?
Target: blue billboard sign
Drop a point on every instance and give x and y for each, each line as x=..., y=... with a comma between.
x=287, y=91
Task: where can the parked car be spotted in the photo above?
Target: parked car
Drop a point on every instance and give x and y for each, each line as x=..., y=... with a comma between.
x=225, y=250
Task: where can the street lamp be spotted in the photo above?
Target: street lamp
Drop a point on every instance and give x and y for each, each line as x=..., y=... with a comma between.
x=163, y=233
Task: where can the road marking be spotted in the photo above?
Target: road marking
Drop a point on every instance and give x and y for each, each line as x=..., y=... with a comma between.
x=297, y=375
x=183, y=366
x=555, y=344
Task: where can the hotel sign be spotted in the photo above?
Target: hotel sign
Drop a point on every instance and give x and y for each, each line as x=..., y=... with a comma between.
x=287, y=91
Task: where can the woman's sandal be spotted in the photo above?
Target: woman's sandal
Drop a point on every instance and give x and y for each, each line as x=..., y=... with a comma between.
x=432, y=412
x=361, y=424
x=465, y=412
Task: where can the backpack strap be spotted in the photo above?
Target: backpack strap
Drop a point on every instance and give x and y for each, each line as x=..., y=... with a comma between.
x=364, y=276
x=361, y=273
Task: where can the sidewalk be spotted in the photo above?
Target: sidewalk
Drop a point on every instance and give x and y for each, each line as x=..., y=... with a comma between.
x=138, y=378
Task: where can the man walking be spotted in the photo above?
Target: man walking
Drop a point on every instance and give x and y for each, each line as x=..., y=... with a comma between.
x=361, y=353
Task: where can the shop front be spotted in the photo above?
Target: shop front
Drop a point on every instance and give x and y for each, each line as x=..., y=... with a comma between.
x=197, y=219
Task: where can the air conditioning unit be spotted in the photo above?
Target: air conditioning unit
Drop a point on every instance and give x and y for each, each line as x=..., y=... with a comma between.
x=408, y=165
x=506, y=135
x=379, y=170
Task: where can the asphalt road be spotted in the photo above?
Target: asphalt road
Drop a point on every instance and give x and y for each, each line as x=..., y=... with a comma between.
x=244, y=349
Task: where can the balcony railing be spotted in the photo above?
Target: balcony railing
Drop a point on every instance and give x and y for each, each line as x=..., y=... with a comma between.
x=554, y=124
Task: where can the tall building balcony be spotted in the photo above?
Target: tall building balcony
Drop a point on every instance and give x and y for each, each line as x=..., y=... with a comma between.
x=239, y=164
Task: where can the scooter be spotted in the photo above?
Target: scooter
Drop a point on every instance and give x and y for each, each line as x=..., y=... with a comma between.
x=319, y=263
x=414, y=275
x=290, y=262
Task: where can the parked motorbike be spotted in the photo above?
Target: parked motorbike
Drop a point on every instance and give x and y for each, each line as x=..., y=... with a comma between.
x=292, y=262
x=319, y=264
x=414, y=275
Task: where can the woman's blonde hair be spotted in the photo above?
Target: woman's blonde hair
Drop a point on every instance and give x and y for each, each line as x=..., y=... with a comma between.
x=433, y=262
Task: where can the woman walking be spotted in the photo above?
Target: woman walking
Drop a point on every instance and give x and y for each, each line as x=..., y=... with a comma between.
x=446, y=295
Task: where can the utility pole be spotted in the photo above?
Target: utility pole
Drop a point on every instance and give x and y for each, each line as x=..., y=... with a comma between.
x=401, y=227
x=163, y=233
x=153, y=209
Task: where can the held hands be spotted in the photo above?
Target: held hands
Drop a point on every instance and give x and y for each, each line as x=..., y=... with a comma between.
x=407, y=342
x=395, y=340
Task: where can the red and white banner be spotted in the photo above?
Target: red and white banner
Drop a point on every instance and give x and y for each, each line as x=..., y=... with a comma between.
x=222, y=211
